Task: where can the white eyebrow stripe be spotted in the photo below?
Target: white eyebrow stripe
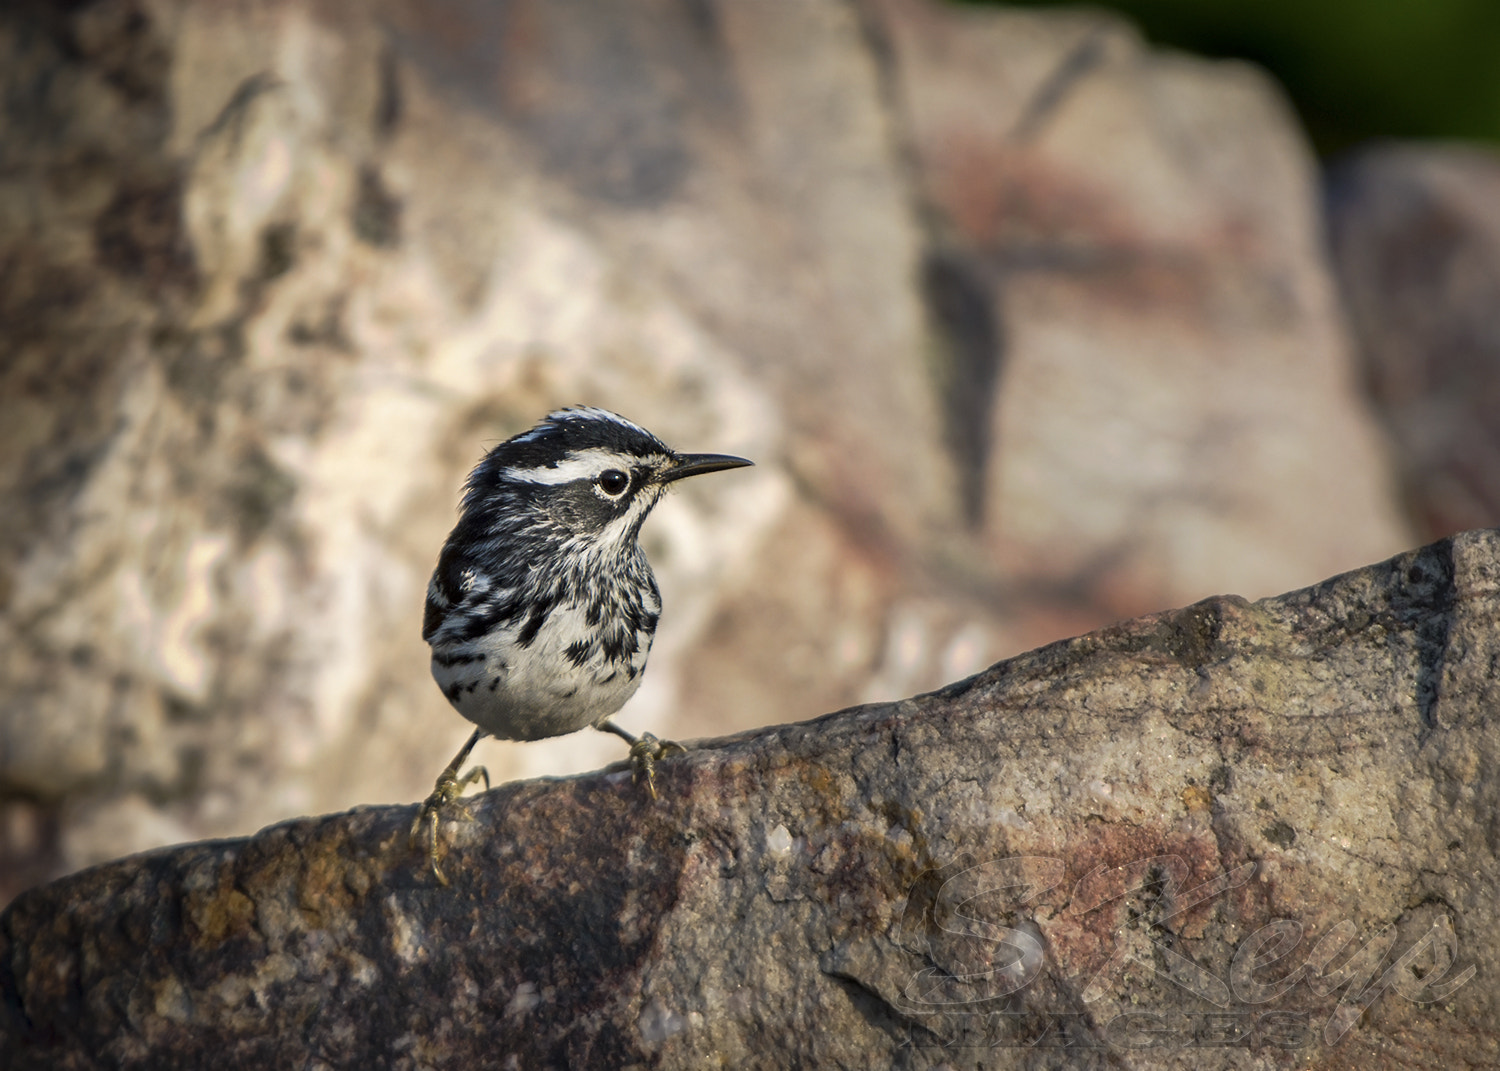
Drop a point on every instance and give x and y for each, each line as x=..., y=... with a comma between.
x=580, y=465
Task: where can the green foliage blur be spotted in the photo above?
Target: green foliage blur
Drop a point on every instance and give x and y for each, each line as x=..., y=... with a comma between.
x=1356, y=69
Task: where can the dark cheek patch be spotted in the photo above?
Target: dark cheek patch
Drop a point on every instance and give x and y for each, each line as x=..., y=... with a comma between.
x=576, y=507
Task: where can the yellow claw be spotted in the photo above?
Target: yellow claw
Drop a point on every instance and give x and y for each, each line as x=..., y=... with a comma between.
x=449, y=787
x=643, y=755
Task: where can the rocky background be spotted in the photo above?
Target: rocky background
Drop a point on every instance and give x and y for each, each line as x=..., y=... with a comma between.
x=1028, y=327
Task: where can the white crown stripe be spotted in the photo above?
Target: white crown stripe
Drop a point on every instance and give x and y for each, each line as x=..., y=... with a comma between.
x=560, y=417
x=589, y=412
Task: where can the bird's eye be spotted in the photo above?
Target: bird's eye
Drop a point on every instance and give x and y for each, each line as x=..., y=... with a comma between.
x=613, y=482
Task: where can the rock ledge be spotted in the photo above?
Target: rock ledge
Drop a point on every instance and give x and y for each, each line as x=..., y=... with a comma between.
x=1263, y=827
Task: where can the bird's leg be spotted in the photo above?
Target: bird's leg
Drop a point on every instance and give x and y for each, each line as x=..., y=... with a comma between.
x=448, y=788
x=644, y=751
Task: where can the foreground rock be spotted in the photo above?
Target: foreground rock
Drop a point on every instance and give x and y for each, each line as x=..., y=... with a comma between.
x=1264, y=827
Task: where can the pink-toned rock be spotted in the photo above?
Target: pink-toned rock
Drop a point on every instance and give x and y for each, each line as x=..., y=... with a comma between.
x=1174, y=407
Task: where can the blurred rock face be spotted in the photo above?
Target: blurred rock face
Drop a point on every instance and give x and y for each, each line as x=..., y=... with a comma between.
x=1026, y=327
x=1416, y=243
x=1172, y=408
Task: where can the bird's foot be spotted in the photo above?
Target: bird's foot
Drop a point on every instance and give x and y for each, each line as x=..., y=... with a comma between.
x=446, y=792
x=643, y=755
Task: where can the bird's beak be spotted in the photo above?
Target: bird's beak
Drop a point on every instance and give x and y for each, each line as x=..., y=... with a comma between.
x=697, y=464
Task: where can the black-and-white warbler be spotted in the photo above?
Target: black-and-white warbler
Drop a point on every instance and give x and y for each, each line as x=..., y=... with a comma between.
x=542, y=608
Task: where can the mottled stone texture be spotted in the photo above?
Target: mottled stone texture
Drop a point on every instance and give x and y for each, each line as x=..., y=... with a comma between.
x=1249, y=835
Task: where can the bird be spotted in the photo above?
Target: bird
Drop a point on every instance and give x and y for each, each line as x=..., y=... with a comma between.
x=542, y=607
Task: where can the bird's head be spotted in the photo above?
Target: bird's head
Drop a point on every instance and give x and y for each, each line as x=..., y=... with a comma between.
x=582, y=472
